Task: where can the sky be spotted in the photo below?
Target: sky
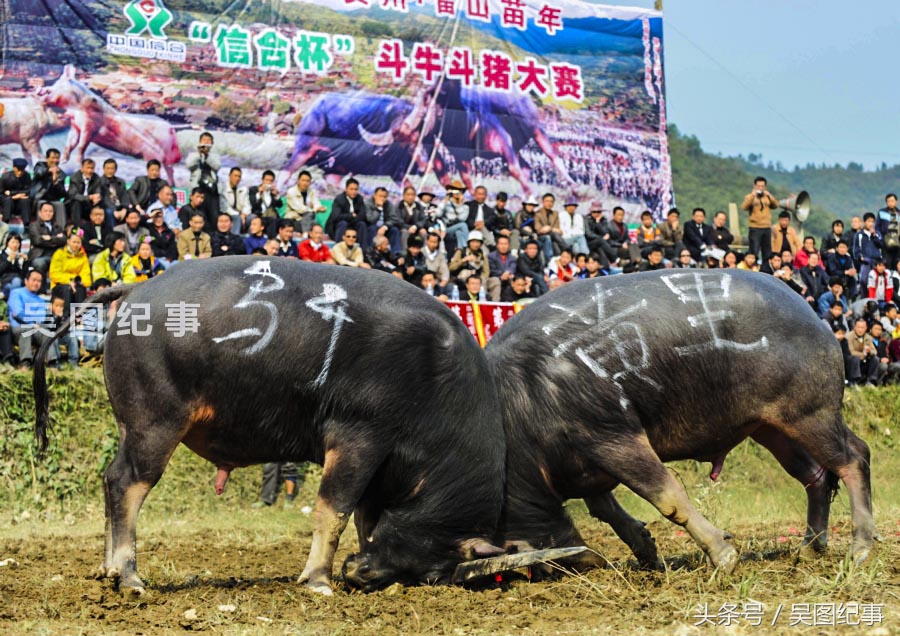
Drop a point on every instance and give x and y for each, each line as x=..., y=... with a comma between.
x=798, y=81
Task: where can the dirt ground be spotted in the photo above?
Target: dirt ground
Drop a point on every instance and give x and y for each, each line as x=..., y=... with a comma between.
x=194, y=576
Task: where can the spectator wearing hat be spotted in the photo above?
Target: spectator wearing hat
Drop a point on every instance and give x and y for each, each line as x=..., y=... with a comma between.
x=348, y=210
x=840, y=264
x=223, y=241
x=435, y=259
x=94, y=233
x=15, y=192
x=12, y=264
x=433, y=214
x=549, y=234
x=698, y=236
x=415, y=265
x=672, y=234
x=867, y=246
x=347, y=251
x=84, y=192
x=163, y=242
x=880, y=285
x=502, y=268
x=165, y=205
x=528, y=263
x=194, y=242
x=596, y=232
x=48, y=183
x=481, y=215
x=133, y=230
x=571, y=226
x=112, y=263
x=504, y=222
x=456, y=216
x=648, y=235
x=470, y=260
x=70, y=271
x=313, y=249
x=524, y=220
x=383, y=219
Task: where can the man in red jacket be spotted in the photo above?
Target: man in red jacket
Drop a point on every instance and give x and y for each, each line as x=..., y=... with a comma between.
x=313, y=249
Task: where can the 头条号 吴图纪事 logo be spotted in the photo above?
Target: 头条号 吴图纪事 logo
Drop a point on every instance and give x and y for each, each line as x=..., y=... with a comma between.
x=146, y=37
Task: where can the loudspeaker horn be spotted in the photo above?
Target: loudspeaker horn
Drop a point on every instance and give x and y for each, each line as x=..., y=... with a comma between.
x=799, y=204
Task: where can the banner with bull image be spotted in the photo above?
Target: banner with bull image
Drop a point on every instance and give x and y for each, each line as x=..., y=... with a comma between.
x=524, y=96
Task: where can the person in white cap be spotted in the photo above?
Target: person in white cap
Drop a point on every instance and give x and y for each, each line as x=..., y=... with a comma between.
x=470, y=260
x=524, y=222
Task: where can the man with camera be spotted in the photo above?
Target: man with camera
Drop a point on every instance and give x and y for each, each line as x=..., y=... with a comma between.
x=760, y=204
x=204, y=165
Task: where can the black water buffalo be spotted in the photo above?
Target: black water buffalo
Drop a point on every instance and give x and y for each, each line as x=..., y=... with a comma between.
x=602, y=381
x=292, y=361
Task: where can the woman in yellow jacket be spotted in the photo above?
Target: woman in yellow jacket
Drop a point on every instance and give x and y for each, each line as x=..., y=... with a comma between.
x=144, y=264
x=113, y=263
x=70, y=271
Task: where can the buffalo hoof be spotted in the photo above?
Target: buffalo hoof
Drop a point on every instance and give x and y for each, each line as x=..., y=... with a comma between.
x=320, y=588
x=725, y=559
x=132, y=586
x=859, y=554
x=102, y=572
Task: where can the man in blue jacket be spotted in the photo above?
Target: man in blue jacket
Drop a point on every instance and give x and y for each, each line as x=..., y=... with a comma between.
x=888, y=225
x=28, y=312
x=867, y=246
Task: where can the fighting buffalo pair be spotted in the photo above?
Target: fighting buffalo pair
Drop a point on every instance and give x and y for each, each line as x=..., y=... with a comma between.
x=447, y=455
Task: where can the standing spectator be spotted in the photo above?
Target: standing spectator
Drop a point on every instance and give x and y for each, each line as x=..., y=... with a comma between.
x=27, y=312
x=829, y=243
x=524, y=221
x=163, y=243
x=887, y=227
x=814, y=277
x=880, y=284
x=672, y=234
x=348, y=210
x=760, y=204
x=49, y=184
x=571, y=226
x=722, y=237
x=46, y=237
x=383, y=219
x=145, y=189
x=456, y=216
x=414, y=266
x=547, y=222
x=16, y=192
x=116, y=200
x=835, y=293
x=84, y=192
x=234, y=201
x=286, y=246
x=303, y=203
x=144, y=265
x=502, y=268
x=12, y=265
x=840, y=264
x=867, y=246
x=435, y=259
x=113, y=263
x=273, y=474
x=529, y=264
x=194, y=242
x=348, y=253
x=784, y=237
x=223, y=241
x=504, y=223
x=470, y=260
x=256, y=237
x=70, y=271
x=809, y=247
x=481, y=215
x=166, y=204
x=204, y=165
x=265, y=201
x=314, y=249
x=698, y=235
x=648, y=235
x=134, y=232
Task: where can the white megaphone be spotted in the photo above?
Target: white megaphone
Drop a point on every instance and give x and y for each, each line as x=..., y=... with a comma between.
x=799, y=204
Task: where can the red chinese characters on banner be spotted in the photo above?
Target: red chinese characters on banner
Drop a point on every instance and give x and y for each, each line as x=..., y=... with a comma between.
x=478, y=10
x=445, y=8
x=394, y=5
x=550, y=18
x=513, y=15
x=466, y=313
x=493, y=316
x=496, y=71
x=533, y=77
x=427, y=61
x=461, y=65
x=364, y=2
x=567, y=82
x=390, y=59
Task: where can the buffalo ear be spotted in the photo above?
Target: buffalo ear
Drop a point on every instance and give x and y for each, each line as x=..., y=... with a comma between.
x=478, y=548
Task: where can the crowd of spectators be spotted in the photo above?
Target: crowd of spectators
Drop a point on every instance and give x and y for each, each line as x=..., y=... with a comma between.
x=92, y=231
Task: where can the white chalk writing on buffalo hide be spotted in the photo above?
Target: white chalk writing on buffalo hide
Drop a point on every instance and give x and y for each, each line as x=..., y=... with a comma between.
x=708, y=290
x=268, y=283
x=331, y=305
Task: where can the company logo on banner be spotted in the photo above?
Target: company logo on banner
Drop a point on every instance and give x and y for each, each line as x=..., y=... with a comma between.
x=151, y=16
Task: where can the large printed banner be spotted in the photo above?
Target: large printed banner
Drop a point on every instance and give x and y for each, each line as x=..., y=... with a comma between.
x=524, y=96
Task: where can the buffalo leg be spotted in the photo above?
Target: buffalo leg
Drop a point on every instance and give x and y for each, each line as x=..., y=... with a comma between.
x=802, y=467
x=347, y=471
x=631, y=531
x=635, y=464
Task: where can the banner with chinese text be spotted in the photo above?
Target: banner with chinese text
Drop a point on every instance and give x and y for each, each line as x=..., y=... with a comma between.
x=483, y=320
x=523, y=96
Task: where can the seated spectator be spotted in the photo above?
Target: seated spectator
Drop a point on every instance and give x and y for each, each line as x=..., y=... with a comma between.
x=672, y=235
x=684, y=261
x=144, y=265
x=772, y=264
x=840, y=264
x=648, y=235
x=115, y=200
x=894, y=353
x=862, y=347
x=549, y=233
x=286, y=246
x=474, y=293
x=48, y=184
x=145, y=189
x=749, y=263
x=870, y=312
x=84, y=193
x=28, y=318
x=133, y=231
x=435, y=258
x=835, y=316
x=518, y=290
x=852, y=373
x=383, y=219
x=455, y=216
x=432, y=219
x=348, y=210
x=809, y=247
x=528, y=264
x=880, y=342
x=890, y=320
x=786, y=274
x=571, y=226
x=303, y=204
x=501, y=268
x=470, y=260
x=265, y=201
x=194, y=242
x=165, y=201
x=59, y=315
x=524, y=220
x=593, y=268
x=46, y=237
x=814, y=280
x=835, y=293
x=196, y=204
x=348, y=253
x=12, y=265
x=314, y=249
x=112, y=263
x=654, y=260
x=722, y=237
x=234, y=200
x=273, y=246
x=381, y=257
x=829, y=243
x=880, y=285
x=256, y=237
x=70, y=271
x=94, y=233
x=15, y=192
x=415, y=264
x=164, y=243
x=561, y=269
x=432, y=287
x=7, y=357
x=729, y=260
x=784, y=237
x=698, y=236
x=481, y=215
x=504, y=222
x=412, y=216
x=224, y=242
